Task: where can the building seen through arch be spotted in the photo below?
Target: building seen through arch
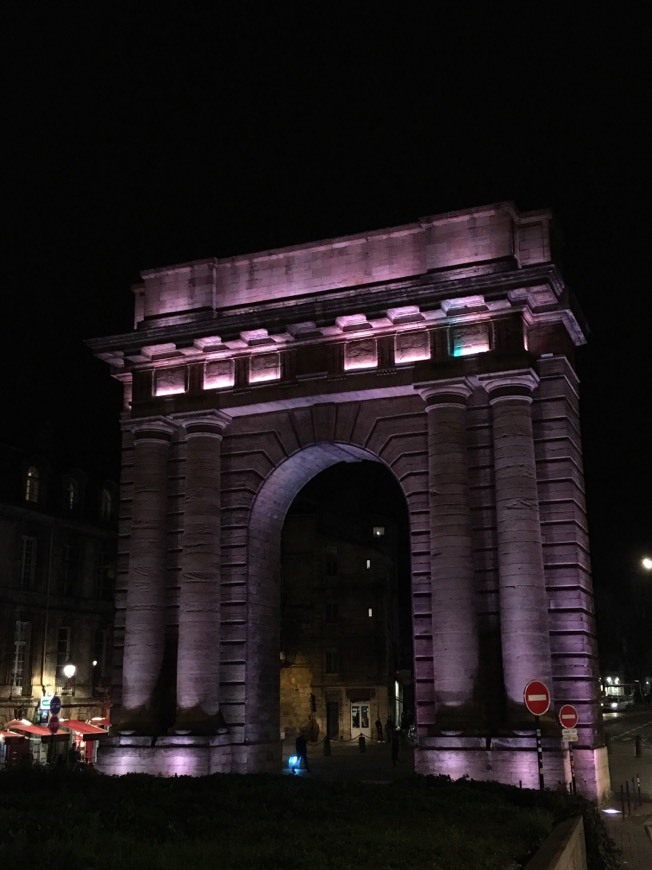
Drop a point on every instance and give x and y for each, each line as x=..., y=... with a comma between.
x=441, y=350
x=346, y=634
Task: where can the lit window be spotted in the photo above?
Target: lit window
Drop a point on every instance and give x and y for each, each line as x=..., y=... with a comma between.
x=379, y=531
x=368, y=563
x=370, y=612
x=32, y=484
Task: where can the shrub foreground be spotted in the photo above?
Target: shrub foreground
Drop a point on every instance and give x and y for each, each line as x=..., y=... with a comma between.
x=150, y=823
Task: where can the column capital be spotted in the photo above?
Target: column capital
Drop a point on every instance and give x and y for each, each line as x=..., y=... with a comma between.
x=212, y=423
x=151, y=428
x=452, y=392
x=516, y=384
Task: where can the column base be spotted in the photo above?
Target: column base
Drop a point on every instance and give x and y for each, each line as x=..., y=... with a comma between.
x=197, y=721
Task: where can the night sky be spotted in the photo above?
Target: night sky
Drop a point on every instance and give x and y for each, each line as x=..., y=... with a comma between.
x=139, y=137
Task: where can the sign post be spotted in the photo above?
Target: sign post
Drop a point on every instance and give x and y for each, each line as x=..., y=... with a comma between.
x=53, y=722
x=537, y=700
x=568, y=719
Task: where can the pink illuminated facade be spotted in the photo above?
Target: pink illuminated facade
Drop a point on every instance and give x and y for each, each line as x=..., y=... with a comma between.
x=442, y=349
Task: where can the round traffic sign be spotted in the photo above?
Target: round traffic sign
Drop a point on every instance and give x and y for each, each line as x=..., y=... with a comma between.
x=536, y=697
x=568, y=717
x=53, y=724
x=55, y=705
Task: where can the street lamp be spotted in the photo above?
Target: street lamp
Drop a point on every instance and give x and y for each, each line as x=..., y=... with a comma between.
x=646, y=562
x=69, y=671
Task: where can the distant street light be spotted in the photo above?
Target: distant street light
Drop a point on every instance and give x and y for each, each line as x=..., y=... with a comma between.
x=646, y=562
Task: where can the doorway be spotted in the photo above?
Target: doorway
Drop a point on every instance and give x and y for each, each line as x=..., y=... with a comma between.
x=360, y=721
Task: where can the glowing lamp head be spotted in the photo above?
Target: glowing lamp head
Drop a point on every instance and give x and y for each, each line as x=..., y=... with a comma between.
x=69, y=671
x=646, y=562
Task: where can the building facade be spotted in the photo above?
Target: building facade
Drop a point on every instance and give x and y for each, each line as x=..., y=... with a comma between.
x=346, y=655
x=57, y=574
x=443, y=350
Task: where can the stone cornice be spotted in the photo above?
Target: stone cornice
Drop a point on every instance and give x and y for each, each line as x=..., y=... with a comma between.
x=403, y=306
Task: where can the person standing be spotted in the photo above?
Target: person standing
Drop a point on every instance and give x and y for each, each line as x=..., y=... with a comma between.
x=389, y=728
x=379, y=730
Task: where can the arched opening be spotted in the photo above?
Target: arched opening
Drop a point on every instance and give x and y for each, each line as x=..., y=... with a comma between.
x=269, y=611
x=345, y=621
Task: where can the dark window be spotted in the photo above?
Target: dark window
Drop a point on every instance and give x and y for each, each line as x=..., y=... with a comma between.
x=332, y=661
x=63, y=650
x=106, y=505
x=28, y=562
x=20, y=656
x=68, y=569
x=71, y=494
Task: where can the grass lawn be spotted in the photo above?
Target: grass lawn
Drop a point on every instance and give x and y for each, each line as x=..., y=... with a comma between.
x=140, y=822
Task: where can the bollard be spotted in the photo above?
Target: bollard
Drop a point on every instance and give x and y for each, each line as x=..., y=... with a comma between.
x=362, y=743
x=327, y=745
x=638, y=750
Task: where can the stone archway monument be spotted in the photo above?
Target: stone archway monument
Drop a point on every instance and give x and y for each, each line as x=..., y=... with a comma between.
x=442, y=349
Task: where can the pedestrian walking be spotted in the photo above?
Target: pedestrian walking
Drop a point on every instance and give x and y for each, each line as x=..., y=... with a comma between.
x=301, y=749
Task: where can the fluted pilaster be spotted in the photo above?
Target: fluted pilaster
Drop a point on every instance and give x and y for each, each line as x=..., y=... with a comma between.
x=198, y=662
x=145, y=614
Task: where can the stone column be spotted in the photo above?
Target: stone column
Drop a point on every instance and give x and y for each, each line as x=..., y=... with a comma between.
x=454, y=617
x=198, y=661
x=524, y=625
x=144, y=641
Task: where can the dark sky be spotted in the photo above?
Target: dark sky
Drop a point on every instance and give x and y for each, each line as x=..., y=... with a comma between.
x=144, y=136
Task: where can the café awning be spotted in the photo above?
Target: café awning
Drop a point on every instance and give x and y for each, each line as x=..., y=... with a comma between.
x=25, y=727
x=88, y=731
x=12, y=735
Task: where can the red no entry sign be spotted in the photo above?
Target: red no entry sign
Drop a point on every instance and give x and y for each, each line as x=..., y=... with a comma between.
x=568, y=717
x=537, y=697
x=53, y=724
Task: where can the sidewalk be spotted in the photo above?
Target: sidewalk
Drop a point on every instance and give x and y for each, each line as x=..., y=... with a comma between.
x=346, y=762
x=631, y=830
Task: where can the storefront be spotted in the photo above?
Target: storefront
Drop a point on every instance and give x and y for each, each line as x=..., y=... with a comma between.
x=84, y=736
x=13, y=747
x=44, y=746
